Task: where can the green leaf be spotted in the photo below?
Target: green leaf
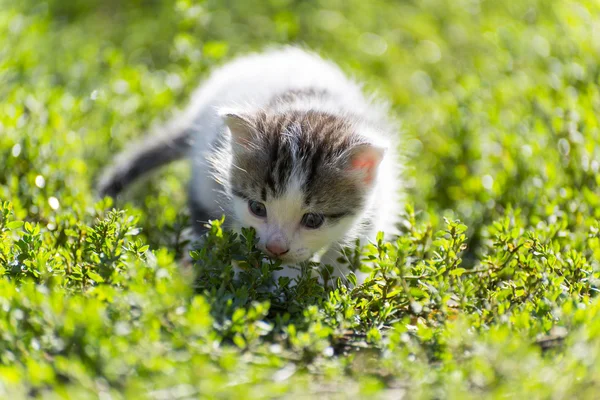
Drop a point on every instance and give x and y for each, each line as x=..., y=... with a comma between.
x=457, y=271
x=14, y=225
x=94, y=276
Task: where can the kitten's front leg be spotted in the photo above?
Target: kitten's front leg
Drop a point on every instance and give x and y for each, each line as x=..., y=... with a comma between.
x=287, y=271
x=340, y=269
x=294, y=271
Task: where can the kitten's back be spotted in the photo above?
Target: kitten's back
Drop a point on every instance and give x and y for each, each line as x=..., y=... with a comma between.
x=253, y=80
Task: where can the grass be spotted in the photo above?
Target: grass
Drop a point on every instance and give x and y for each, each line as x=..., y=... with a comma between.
x=490, y=291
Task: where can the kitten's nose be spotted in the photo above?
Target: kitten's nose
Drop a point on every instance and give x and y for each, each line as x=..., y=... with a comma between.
x=277, y=248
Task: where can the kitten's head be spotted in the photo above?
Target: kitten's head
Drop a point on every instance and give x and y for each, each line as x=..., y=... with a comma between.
x=300, y=179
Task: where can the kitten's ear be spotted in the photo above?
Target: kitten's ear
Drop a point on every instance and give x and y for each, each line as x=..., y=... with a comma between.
x=239, y=125
x=364, y=160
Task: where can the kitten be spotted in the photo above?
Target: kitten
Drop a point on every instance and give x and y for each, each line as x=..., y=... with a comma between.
x=283, y=142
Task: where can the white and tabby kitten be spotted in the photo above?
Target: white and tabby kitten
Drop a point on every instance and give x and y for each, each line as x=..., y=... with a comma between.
x=283, y=142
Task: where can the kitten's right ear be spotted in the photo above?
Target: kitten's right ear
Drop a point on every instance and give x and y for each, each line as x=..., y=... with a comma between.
x=364, y=160
x=240, y=127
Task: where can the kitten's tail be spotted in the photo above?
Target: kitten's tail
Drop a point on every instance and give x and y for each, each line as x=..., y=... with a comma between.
x=171, y=144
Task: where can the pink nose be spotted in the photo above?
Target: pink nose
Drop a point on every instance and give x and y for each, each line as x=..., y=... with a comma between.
x=277, y=249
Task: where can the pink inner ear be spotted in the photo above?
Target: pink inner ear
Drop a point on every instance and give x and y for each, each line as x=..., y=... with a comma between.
x=240, y=128
x=366, y=160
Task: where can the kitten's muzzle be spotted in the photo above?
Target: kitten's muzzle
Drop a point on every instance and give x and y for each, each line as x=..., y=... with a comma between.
x=276, y=249
x=277, y=246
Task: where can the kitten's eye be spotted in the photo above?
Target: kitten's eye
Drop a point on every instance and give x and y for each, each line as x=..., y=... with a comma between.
x=312, y=220
x=257, y=208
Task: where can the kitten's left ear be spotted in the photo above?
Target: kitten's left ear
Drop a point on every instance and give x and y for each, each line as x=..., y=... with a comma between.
x=239, y=125
x=364, y=160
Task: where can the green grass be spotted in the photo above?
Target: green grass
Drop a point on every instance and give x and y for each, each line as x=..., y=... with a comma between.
x=499, y=103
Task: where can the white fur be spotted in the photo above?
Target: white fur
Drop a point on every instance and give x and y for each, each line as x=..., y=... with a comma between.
x=250, y=83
